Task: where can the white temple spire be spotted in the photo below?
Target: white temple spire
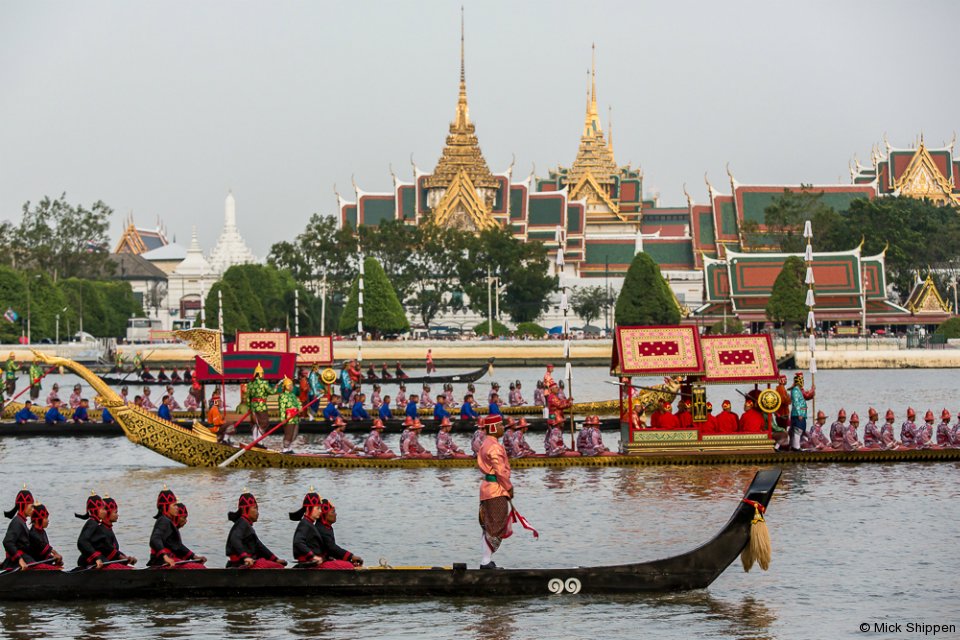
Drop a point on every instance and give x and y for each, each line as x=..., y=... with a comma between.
x=231, y=248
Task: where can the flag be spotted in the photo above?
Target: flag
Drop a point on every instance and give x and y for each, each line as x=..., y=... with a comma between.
x=11, y=315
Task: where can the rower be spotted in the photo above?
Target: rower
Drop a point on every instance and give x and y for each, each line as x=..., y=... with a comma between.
x=908, y=430
x=167, y=550
x=194, y=397
x=337, y=442
x=401, y=399
x=496, y=490
x=494, y=391
x=25, y=414
x=307, y=544
x=162, y=376
x=244, y=549
x=411, y=410
x=851, y=441
x=163, y=411
x=752, y=421
x=371, y=372
x=75, y=396
x=374, y=446
x=358, y=412
x=818, y=440
x=711, y=425
x=331, y=412
x=516, y=395
x=174, y=405
x=400, y=373
x=871, y=432
x=440, y=409
x=955, y=432
x=553, y=444
x=175, y=376
x=40, y=549
x=53, y=395
x=887, y=439
x=426, y=402
x=53, y=415
x=539, y=400
x=556, y=403
x=105, y=416
x=16, y=542
x=385, y=373
x=334, y=556
x=147, y=402
x=452, y=404
x=494, y=407
x=384, y=412
x=94, y=541
x=667, y=419
x=216, y=420
x=509, y=434
x=446, y=447
x=590, y=442
x=522, y=447
x=410, y=446
x=111, y=508
x=467, y=410
x=925, y=431
x=943, y=429
x=478, y=437
x=683, y=415
x=80, y=414
x=837, y=429
x=376, y=399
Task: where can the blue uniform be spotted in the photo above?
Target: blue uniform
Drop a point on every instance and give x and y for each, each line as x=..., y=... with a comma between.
x=106, y=417
x=440, y=412
x=164, y=412
x=411, y=409
x=80, y=415
x=494, y=409
x=54, y=416
x=359, y=413
x=24, y=415
x=467, y=412
x=385, y=413
x=331, y=413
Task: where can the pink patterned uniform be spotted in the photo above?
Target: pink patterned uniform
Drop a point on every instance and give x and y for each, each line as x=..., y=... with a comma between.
x=477, y=440
x=538, y=399
x=510, y=443
x=944, y=438
x=515, y=398
x=908, y=433
x=338, y=443
x=374, y=444
x=401, y=399
x=924, y=436
x=148, y=404
x=426, y=402
x=410, y=443
x=524, y=450
x=75, y=399
x=375, y=400
x=871, y=435
x=553, y=442
x=190, y=403
x=818, y=439
x=851, y=442
x=837, y=430
x=955, y=435
x=51, y=397
x=174, y=405
x=446, y=447
x=590, y=442
x=887, y=438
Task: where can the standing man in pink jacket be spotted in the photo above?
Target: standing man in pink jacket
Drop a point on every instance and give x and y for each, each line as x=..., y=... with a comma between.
x=496, y=490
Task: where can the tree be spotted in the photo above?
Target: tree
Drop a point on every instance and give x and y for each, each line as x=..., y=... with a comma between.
x=62, y=240
x=382, y=311
x=950, y=328
x=646, y=298
x=499, y=329
x=729, y=325
x=531, y=329
x=234, y=318
x=787, y=303
x=784, y=219
x=589, y=302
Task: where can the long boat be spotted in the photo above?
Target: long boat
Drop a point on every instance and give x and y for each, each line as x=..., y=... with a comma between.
x=462, y=378
x=197, y=446
x=695, y=569
x=39, y=428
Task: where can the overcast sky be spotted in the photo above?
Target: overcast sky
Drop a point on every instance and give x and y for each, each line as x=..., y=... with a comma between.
x=159, y=108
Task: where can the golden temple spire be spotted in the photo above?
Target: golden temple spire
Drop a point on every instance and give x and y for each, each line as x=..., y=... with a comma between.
x=591, y=123
x=610, y=128
x=595, y=154
x=463, y=111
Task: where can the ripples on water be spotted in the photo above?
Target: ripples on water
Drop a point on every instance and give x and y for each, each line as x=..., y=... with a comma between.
x=852, y=543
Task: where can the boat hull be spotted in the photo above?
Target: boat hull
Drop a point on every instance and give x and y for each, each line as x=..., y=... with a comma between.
x=695, y=569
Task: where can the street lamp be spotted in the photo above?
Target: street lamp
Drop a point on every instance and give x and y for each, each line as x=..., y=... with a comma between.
x=953, y=286
x=58, y=323
x=29, y=340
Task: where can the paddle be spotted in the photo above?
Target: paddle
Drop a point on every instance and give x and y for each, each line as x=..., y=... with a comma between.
x=29, y=564
x=24, y=390
x=231, y=459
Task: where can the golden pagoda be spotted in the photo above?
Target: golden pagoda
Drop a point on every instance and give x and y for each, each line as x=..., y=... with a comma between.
x=461, y=191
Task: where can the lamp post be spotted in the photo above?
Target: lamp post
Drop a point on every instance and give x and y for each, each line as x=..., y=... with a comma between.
x=323, y=306
x=606, y=287
x=36, y=276
x=953, y=286
x=489, y=303
x=58, y=324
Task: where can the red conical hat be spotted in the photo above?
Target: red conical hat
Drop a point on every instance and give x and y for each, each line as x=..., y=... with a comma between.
x=944, y=415
x=842, y=414
x=889, y=415
x=854, y=417
x=928, y=416
x=445, y=422
x=821, y=414
x=911, y=413
x=873, y=413
x=377, y=424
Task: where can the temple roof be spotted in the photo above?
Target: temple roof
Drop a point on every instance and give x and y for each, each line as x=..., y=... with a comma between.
x=926, y=299
x=595, y=154
x=462, y=151
x=193, y=264
x=231, y=248
x=140, y=240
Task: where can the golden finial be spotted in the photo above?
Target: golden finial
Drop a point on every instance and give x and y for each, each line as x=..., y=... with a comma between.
x=245, y=490
x=312, y=490
x=610, y=127
x=593, y=73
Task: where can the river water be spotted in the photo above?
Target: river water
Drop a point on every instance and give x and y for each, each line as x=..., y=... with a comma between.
x=852, y=543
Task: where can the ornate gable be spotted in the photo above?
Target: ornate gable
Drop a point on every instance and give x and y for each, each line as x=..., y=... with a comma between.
x=923, y=179
x=461, y=207
x=588, y=188
x=926, y=299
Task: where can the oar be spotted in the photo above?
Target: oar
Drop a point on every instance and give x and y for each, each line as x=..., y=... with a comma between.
x=24, y=390
x=108, y=562
x=29, y=564
x=231, y=459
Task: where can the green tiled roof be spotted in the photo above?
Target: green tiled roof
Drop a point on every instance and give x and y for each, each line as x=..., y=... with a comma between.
x=545, y=211
x=377, y=210
x=670, y=253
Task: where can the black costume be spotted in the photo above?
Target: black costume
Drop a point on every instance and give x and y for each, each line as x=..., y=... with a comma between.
x=243, y=542
x=307, y=543
x=16, y=543
x=165, y=540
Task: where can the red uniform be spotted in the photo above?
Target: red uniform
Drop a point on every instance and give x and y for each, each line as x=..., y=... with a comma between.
x=727, y=422
x=669, y=421
x=752, y=421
